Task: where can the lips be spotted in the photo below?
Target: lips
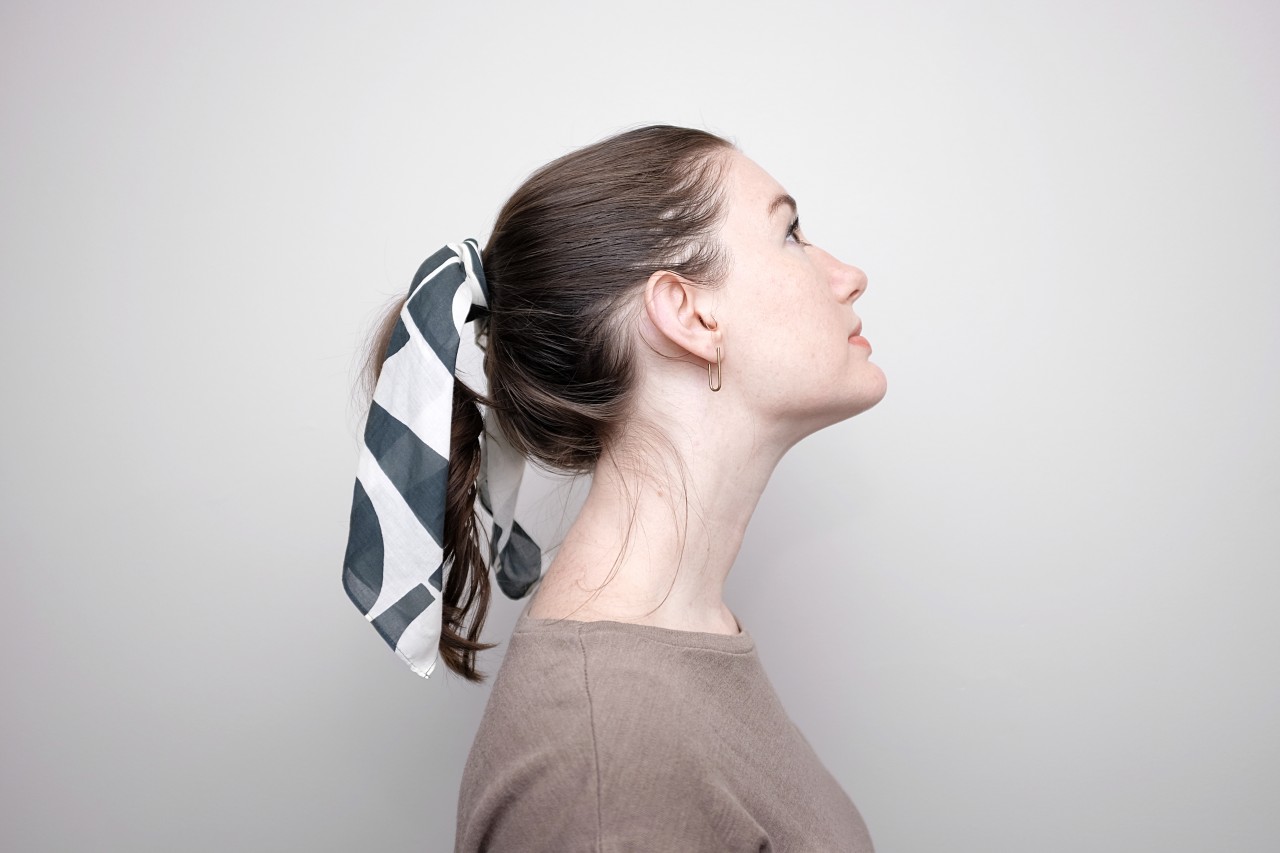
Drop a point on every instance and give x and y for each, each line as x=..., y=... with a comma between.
x=855, y=337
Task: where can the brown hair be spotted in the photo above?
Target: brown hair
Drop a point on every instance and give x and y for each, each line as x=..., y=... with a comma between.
x=569, y=253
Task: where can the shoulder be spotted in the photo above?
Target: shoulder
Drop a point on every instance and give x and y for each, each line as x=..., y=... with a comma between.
x=657, y=724
x=632, y=680
x=599, y=737
x=614, y=694
x=539, y=694
x=530, y=782
x=584, y=683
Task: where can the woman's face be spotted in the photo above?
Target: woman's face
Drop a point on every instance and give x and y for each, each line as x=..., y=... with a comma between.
x=786, y=310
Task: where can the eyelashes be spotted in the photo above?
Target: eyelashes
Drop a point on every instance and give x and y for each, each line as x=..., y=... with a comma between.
x=793, y=232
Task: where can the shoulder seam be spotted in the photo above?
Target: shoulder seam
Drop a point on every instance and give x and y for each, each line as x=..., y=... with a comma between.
x=595, y=750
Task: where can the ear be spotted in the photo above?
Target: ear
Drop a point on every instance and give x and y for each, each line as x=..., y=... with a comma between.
x=681, y=311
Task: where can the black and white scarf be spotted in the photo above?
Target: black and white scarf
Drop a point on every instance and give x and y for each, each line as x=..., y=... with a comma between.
x=394, y=568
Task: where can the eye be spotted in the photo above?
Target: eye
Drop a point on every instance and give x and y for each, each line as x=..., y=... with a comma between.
x=793, y=232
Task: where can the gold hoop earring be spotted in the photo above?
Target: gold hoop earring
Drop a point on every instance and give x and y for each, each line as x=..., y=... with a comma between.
x=715, y=384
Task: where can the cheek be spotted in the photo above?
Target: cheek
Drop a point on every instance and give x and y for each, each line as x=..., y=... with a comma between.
x=782, y=315
x=799, y=336
x=786, y=297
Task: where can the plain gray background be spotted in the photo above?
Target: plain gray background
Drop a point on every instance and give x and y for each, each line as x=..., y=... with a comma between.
x=1028, y=603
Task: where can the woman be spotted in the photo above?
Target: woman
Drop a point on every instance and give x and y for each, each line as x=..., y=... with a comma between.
x=652, y=315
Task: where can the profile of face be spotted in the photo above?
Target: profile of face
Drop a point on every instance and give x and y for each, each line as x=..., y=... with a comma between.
x=792, y=342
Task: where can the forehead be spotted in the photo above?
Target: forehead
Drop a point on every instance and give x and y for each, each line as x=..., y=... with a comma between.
x=750, y=190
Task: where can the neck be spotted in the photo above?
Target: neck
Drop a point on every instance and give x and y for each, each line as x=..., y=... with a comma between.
x=672, y=571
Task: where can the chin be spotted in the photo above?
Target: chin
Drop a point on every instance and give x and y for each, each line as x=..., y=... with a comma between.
x=870, y=389
x=876, y=393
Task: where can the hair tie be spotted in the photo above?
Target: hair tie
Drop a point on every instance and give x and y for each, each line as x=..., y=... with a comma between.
x=394, y=566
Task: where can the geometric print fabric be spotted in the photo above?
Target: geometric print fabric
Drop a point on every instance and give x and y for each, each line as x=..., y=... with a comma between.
x=393, y=570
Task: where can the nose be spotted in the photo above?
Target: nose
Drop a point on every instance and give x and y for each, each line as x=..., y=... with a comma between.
x=848, y=281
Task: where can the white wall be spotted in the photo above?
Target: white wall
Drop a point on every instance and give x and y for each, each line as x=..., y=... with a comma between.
x=1026, y=604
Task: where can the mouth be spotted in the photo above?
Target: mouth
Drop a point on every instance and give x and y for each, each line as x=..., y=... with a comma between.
x=855, y=338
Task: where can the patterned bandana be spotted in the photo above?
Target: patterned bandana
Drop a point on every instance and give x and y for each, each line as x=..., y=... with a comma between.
x=394, y=567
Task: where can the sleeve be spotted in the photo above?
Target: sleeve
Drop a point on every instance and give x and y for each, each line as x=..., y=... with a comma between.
x=530, y=781
x=674, y=805
x=559, y=799
x=544, y=804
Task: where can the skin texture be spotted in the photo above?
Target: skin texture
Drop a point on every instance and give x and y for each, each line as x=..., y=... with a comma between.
x=782, y=320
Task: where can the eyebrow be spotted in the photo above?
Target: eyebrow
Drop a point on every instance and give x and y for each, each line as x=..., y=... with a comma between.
x=781, y=200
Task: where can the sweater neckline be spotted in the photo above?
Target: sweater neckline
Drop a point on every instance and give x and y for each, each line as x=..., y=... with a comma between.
x=739, y=643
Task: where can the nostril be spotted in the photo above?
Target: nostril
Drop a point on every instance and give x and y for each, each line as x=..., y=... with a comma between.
x=859, y=282
x=852, y=282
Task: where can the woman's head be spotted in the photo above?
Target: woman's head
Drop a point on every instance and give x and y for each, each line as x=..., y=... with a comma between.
x=566, y=263
x=633, y=259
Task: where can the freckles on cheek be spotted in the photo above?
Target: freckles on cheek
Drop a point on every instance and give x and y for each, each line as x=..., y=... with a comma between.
x=784, y=291
x=778, y=302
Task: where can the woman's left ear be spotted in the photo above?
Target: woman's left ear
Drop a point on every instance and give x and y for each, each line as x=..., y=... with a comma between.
x=680, y=310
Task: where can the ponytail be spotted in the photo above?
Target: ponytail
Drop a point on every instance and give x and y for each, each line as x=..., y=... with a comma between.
x=466, y=569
